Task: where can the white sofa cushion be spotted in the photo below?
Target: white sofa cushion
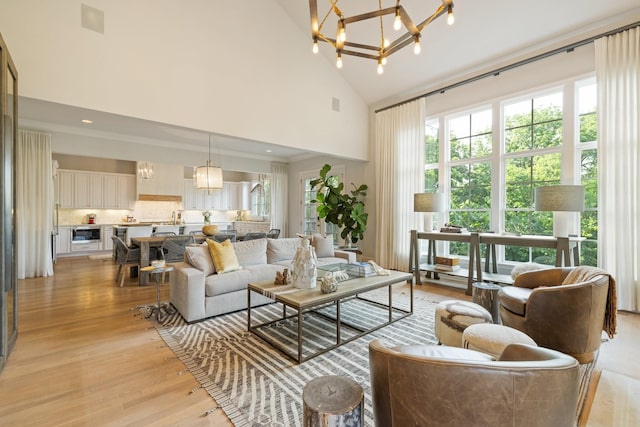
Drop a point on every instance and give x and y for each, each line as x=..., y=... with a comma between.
x=217, y=284
x=282, y=249
x=322, y=245
x=251, y=252
x=200, y=258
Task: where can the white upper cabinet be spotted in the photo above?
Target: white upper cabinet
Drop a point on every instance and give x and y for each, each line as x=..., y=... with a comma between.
x=93, y=190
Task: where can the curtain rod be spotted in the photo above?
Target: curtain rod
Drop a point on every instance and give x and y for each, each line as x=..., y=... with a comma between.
x=497, y=71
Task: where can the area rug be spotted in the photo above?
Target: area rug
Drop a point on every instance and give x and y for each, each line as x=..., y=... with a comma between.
x=255, y=384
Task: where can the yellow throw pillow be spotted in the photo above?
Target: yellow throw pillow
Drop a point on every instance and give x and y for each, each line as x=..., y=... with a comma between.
x=224, y=257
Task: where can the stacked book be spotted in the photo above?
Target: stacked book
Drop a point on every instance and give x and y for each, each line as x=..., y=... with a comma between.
x=361, y=269
x=447, y=263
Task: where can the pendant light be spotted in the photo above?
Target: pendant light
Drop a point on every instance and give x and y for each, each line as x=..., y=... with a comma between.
x=208, y=177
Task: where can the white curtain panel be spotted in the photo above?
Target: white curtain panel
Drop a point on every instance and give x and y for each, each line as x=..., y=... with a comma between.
x=34, y=204
x=618, y=78
x=279, y=197
x=399, y=173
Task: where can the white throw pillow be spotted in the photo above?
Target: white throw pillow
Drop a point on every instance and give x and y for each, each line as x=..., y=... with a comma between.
x=200, y=258
x=322, y=245
x=251, y=252
x=282, y=249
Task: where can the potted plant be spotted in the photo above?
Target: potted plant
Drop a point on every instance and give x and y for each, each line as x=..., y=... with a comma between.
x=345, y=210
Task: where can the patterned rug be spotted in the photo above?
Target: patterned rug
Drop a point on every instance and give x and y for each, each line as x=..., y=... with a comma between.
x=256, y=385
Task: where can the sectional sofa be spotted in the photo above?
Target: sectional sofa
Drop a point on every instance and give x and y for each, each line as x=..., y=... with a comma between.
x=198, y=291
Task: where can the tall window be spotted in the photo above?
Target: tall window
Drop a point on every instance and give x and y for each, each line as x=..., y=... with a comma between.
x=587, y=147
x=470, y=148
x=492, y=173
x=532, y=142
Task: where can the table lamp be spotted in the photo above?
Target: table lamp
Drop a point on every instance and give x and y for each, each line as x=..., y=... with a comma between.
x=560, y=199
x=429, y=203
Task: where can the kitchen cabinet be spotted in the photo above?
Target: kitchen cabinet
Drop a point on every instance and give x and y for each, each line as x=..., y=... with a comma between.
x=64, y=186
x=63, y=240
x=235, y=196
x=195, y=199
x=94, y=190
x=105, y=235
x=87, y=190
x=118, y=191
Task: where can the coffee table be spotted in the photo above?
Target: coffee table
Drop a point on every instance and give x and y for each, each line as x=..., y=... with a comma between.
x=311, y=300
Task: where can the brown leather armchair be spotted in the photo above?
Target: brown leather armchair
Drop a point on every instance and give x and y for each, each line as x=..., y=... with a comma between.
x=435, y=385
x=565, y=309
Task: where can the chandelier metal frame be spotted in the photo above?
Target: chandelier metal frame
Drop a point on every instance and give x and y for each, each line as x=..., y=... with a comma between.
x=380, y=52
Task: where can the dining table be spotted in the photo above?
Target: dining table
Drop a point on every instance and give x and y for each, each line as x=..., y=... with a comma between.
x=146, y=244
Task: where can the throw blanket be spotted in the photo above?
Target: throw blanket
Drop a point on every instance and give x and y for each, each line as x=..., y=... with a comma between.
x=585, y=273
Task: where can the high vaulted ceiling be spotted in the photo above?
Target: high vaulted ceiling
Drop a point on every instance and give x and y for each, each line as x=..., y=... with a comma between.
x=485, y=33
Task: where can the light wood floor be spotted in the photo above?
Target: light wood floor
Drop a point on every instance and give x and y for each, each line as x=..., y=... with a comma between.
x=84, y=358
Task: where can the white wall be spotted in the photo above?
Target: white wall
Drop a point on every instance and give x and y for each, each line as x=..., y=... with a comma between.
x=238, y=68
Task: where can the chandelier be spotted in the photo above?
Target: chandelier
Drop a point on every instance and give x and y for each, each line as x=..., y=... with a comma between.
x=145, y=170
x=208, y=177
x=380, y=48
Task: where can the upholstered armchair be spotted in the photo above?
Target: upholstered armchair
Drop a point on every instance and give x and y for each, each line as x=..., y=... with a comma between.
x=565, y=309
x=436, y=385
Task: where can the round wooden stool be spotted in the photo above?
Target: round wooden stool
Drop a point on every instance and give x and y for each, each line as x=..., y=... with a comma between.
x=332, y=401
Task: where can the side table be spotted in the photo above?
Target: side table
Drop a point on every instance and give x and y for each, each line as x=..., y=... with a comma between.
x=486, y=294
x=158, y=273
x=333, y=401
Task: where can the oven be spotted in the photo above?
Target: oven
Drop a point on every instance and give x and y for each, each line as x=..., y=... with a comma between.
x=86, y=238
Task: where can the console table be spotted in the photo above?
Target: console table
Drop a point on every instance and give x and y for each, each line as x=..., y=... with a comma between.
x=565, y=247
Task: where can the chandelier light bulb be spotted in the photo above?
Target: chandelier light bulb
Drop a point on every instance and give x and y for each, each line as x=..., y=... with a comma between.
x=384, y=60
x=386, y=43
x=315, y=46
x=450, y=18
x=339, y=61
x=397, y=22
x=380, y=67
x=416, y=46
x=342, y=33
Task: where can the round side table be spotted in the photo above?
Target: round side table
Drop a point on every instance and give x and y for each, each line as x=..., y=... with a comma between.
x=158, y=273
x=486, y=294
x=333, y=401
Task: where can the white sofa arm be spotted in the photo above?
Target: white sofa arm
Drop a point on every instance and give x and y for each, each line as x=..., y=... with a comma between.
x=187, y=291
x=349, y=256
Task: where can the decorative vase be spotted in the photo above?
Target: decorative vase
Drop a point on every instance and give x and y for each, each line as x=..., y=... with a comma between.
x=304, y=272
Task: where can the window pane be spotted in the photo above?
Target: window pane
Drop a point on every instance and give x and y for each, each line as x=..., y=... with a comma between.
x=431, y=180
x=547, y=108
x=547, y=134
x=533, y=124
x=517, y=114
x=589, y=168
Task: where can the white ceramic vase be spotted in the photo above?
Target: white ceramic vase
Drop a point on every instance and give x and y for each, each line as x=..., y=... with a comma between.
x=304, y=272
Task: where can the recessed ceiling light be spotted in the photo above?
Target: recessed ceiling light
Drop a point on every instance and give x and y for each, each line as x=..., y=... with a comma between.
x=87, y=121
x=269, y=150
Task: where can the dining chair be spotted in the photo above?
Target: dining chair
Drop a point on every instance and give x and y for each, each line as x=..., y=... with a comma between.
x=221, y=237
x=137, y=231
x=274, y=233
x=172, y=248
x=125, y=256
x=254, y=236
x=163, y=228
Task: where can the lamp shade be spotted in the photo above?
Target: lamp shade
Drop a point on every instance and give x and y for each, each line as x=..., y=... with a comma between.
x=560, y=198
x=428, y=202
x=208, y=177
